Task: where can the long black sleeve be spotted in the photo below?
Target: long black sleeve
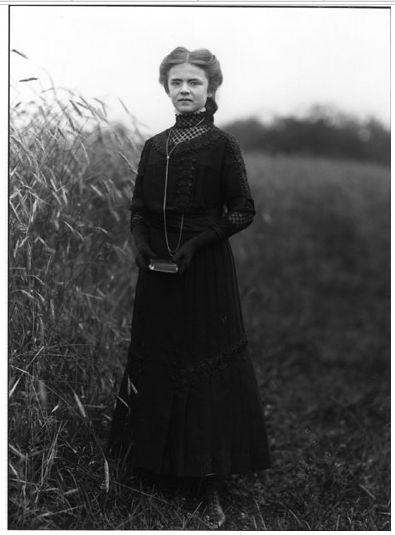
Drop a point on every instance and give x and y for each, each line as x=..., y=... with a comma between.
x=138, y=210
x=239, y=203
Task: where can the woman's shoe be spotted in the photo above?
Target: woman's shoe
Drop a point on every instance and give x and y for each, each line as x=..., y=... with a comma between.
x=214, y=514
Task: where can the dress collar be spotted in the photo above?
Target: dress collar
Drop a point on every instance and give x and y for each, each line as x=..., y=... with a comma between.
x=188, y=120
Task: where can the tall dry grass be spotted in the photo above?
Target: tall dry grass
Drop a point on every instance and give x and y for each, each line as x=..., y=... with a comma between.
x=71, y=287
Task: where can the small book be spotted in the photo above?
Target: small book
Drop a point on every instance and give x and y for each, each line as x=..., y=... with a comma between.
x=163, y=265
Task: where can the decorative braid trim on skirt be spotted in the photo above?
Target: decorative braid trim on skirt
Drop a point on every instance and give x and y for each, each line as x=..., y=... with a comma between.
x=202, y=371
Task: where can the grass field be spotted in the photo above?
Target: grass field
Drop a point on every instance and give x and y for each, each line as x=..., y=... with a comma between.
x=314, y=277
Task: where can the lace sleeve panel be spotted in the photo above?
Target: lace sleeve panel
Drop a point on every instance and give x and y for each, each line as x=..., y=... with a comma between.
x=137, y=218
x=138, y=207
x=239, y=203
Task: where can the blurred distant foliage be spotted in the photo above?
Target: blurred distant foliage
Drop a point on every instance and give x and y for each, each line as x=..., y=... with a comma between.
x=323, y=132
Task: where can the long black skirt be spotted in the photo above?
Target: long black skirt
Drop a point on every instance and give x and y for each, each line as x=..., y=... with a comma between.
x=189, y=403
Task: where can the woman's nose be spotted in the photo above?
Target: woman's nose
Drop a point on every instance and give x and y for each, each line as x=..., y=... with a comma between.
x=184, y=88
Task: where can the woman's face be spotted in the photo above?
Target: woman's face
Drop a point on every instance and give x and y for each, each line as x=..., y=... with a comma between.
x=188, y=87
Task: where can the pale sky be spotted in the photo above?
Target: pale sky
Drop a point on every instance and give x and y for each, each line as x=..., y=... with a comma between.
x=275, y=61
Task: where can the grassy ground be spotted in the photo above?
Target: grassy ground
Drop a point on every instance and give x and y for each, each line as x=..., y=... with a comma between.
x=314, y=281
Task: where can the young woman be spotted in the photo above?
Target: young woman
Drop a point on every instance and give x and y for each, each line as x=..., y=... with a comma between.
x=189, y=403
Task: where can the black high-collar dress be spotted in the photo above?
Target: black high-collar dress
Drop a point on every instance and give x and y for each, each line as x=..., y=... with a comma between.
x=188, y=402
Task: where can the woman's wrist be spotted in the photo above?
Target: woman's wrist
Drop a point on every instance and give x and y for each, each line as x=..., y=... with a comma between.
x=204, y=238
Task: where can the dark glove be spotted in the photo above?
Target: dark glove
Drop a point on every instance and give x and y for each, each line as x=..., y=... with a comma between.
x=184, y=255
x=142, y=246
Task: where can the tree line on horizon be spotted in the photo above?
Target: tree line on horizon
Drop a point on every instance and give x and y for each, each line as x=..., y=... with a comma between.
x=321, y=132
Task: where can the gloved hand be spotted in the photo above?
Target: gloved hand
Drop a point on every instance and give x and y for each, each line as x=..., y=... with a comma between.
x=142, y=246
x=184, y=255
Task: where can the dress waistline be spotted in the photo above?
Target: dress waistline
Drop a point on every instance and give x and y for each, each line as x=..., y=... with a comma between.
x=192, y=222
